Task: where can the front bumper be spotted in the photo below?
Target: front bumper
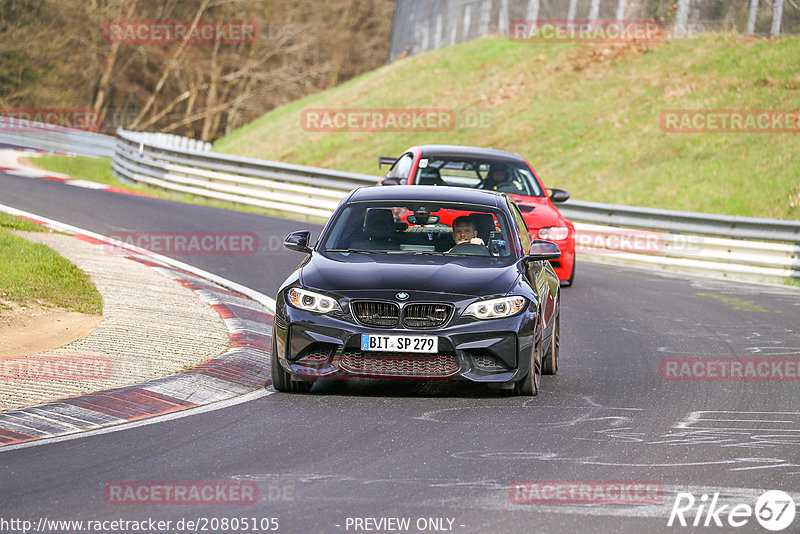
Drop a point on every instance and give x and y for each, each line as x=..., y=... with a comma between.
x=563, y=265
x=313, y=346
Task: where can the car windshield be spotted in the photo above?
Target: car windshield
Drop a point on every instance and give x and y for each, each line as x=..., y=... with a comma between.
x=419, y=228
x=512, y=178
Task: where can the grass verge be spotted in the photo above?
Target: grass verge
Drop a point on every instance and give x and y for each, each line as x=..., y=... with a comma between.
x=34, y=272
x=11, y=222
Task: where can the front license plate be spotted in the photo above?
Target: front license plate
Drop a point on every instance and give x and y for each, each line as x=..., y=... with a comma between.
x=429, y=344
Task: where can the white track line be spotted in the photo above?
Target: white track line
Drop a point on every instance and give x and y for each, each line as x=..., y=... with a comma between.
x=255, y=295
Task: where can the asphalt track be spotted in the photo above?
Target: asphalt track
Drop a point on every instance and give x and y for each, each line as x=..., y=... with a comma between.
x=379, y=450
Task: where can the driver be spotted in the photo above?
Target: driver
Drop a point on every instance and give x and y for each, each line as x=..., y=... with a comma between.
x=464, y=231
x=497, y=177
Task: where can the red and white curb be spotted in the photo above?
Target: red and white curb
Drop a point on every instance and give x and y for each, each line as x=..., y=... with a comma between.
x=241, y=372
x=25, y=171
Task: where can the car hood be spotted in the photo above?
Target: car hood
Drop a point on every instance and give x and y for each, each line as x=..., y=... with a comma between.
x=542, y=215
x=462, y=275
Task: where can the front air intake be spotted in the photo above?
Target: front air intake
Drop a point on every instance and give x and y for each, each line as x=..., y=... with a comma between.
x=376, y=313
x=426, y=315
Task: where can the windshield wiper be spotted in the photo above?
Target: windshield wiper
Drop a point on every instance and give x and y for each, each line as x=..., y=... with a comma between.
x=352, y=250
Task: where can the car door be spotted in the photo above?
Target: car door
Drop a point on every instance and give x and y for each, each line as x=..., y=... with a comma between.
x=536, y=272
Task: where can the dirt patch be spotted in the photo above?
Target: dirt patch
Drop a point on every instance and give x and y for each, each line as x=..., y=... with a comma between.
x=26, y=161
x=36, y=327
x=613, y=53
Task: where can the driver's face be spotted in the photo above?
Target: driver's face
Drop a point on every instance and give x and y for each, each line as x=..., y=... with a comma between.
x=462, y=233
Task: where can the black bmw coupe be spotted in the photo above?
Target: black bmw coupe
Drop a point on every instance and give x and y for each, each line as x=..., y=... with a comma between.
x=390, y=292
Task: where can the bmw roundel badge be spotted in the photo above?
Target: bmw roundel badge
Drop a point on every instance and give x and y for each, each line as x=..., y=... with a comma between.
x=402, y=296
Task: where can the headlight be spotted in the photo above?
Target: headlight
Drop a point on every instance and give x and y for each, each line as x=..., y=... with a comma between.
x=310, y=301
x=496, y=308
x=554, y=233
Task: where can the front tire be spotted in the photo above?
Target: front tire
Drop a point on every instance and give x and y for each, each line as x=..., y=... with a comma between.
x=281, y=380
x=568, y=282
x=550, y=363
x=529, y=386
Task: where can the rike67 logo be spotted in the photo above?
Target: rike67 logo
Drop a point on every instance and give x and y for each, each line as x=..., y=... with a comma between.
x=774, y=510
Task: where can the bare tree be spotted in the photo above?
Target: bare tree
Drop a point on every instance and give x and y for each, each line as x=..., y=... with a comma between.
x=53, y=53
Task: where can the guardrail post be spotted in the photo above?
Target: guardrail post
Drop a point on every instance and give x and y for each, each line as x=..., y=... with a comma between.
x=435, y=26
x=682, y=17
x=796, y=262
x=573, y=4
x=621, y=9
x=532, y=14
x=452, y=22
x=594, y=11
x=777, y=15
x=467, y=22
x=502, y=22
x=425, y=38
x=483, y=25
x=751, y=18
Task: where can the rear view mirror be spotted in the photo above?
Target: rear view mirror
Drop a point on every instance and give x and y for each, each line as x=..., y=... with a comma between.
x=544, y=250
x=298, y=241
x=428, y=219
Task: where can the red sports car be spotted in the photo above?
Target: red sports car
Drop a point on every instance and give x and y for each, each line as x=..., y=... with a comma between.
x=498, y=170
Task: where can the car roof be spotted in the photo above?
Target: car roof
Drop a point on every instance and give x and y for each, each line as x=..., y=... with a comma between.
x=460, y=151
x=425, y=193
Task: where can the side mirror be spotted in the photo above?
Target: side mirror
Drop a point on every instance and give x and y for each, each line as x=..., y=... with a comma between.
x=558, y=195
x=298, y=241
x=544, y=250
x=394, y=180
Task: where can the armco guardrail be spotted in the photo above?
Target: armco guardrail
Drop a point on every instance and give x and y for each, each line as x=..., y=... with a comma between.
x=741, y=247
x=688, y=253
x=682, y=221
x=172, y=140
x=283, y=187
x=57, y=139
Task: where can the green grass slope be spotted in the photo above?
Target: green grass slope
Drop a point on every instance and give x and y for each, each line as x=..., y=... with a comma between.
x=34, y=272
x=585, y=115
